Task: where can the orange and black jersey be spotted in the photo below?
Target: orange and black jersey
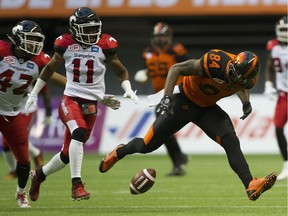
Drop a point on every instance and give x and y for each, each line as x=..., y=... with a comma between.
x=159, y=63
x=207, y=89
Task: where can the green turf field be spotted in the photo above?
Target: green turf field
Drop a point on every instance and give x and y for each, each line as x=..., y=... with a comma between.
x=210, y=188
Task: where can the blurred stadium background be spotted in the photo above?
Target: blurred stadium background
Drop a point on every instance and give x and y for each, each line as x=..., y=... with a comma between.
x=201, y=25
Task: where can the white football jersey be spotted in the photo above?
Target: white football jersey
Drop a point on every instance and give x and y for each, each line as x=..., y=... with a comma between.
x=85, y=67
x=279, y=54
x=15, y=78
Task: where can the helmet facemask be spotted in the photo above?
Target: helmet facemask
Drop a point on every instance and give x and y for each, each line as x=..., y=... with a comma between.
x=31, y=42
x=282, y=30
x=243, y=69
x=232, y=77
x=161, y=35
x=87, y=33
x=28, y=37
x=160, y=41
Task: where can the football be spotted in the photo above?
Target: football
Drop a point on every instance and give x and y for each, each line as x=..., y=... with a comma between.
x=142, y=181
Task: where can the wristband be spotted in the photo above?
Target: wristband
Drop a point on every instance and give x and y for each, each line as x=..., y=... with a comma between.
x=268, y=84
x=126, y=85
x=37, y=87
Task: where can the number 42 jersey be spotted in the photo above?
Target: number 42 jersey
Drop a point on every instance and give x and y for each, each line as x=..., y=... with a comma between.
x=15, y=77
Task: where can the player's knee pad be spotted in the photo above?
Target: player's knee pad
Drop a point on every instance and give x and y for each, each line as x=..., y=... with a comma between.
x=79, y=134
x=64, y=158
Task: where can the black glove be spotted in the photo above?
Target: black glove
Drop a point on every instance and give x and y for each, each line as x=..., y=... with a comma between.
x=247, y=109
x=165, y=106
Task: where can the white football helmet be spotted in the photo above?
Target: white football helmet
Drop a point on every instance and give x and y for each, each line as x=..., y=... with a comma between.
x=282, y=30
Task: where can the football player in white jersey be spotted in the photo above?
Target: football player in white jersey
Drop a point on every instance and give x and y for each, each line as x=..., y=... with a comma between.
x=29, y=118
x=86, y=52
x=20, y=65
x=276, y=71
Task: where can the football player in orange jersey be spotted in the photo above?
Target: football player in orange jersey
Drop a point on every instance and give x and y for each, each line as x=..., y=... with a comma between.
x=276, y=72
x=159, y=57
x=217, y=74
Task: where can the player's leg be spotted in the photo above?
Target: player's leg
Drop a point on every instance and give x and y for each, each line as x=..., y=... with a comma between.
x=56, y=163
x=79, y=118
x=37, y=155
x=35, y=152
x=280, y=120
x=218, y=126
x=162, y=128
x=14, y=131
x=9, y=159
x=179, y=159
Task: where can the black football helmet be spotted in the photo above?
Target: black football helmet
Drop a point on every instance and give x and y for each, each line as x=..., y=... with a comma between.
x=281, y=29
x=85, y=26
x=28, y=37
x=243, y=69
x=162, y=35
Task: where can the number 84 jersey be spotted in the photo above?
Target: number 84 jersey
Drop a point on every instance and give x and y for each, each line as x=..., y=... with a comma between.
x=207, y=89
x=85, y=66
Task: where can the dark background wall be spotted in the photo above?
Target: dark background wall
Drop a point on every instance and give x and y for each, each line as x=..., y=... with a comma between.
x=198, y=33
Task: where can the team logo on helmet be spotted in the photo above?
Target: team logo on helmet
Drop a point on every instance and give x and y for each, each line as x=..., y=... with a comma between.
x=85, y=26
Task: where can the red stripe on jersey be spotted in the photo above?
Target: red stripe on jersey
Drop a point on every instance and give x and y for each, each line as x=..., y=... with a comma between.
x=41, y=60
x=271, y=44
x=5, y=49
x=64, y=41
x=107, y=42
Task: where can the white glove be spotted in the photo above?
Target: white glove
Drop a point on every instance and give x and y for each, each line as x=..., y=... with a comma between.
x=111, y=101
x=132, y=95
x=270, y=91
x=47, y=120
x=141, y=76
x=31, y=102
x=129, y=93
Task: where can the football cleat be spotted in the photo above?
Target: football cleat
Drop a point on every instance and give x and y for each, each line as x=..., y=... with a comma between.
x=22, y=200
x=79, y=193
x=179, y=167
x=38, y=160
x=258, y=186
x=110, y=159
x=35, y=185
x=11, y=175
x=177, y=171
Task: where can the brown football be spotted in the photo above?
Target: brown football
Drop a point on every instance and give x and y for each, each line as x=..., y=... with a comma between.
x=142, y=181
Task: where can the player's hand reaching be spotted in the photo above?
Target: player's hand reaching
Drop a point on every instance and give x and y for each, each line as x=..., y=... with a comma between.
x=247, y=109
x=132, y=95
x=129, y=93
x=31, y=102
x=270, y=91
x=165, y=106
x=111, y=101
